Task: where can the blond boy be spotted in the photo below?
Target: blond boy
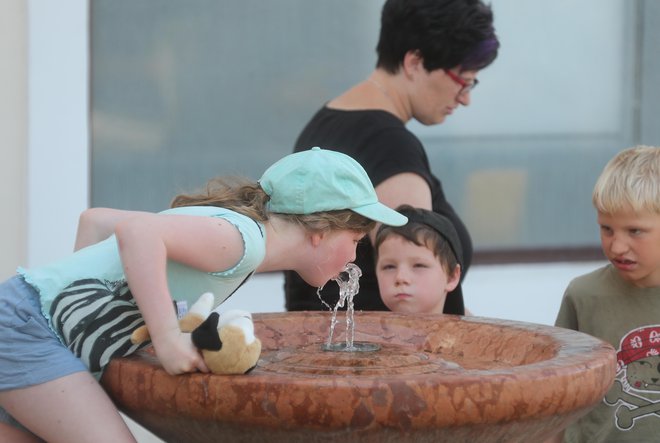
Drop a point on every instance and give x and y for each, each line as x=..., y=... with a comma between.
x=620, y=302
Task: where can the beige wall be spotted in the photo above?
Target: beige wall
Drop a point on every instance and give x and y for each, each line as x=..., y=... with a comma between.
x=13, y=135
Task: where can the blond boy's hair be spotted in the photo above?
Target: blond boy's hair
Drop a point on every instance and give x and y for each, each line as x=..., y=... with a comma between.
x=630, y=180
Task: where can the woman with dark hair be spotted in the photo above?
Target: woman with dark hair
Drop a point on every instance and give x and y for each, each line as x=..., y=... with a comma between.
x=429, y=55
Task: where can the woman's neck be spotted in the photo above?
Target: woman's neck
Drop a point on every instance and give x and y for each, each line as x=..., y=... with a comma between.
x=379, y=91
x=387, y=85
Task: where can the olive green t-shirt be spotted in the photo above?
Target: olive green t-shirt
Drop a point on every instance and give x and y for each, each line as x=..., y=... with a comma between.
x=604, y=305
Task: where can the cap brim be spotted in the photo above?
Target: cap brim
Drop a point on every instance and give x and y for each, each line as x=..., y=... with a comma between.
x=382, y=214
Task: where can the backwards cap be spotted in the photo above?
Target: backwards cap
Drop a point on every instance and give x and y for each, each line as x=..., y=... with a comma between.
x=445, y=228
x=319, y=180
x=439, y=223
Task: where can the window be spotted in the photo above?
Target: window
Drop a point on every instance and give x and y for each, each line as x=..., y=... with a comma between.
x=183, y=91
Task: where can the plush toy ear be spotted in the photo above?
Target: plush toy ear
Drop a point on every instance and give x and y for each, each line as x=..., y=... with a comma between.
x=206, y=335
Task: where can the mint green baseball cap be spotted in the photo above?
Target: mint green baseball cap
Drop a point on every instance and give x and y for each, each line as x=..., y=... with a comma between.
x=320, y=180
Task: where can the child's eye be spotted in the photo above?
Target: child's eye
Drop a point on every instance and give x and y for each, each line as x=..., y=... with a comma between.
x=386, y=267
x=605, y=229
x=421, y=265
x=635, y=231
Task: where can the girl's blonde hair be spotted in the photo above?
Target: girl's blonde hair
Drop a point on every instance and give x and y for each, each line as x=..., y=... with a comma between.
x=248, y=198
x=630, y=180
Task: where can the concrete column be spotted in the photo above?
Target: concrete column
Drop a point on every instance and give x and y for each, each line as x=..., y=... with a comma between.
x=13, y=135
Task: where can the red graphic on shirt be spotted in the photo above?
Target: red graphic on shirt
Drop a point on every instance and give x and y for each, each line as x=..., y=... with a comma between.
x=638, y=377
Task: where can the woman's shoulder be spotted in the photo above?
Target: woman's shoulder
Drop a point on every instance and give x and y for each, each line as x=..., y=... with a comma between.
x=374, y=117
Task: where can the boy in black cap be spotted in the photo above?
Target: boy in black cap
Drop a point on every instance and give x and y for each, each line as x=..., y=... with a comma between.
x=419, y=263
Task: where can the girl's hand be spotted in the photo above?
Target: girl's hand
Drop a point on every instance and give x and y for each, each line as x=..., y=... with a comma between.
x=177, y=353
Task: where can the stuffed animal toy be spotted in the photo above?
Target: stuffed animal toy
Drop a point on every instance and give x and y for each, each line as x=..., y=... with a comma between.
x=227, y=340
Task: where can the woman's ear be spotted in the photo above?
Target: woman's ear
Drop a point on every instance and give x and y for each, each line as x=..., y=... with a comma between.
x=412, y=62
x=454, y=278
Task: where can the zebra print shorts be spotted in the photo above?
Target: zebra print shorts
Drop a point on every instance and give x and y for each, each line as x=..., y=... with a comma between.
x=95, y=319
x=30, y=352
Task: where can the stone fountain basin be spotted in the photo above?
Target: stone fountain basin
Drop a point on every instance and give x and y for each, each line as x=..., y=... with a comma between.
x=435, y=378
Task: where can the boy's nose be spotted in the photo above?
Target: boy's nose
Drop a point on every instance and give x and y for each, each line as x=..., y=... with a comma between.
x=402, y=276
x=618, y=246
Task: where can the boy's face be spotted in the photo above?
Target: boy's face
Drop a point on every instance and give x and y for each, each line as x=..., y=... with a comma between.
x=411, y=279
x=631, y=242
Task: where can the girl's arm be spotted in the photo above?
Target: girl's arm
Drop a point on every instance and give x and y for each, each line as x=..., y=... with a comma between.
x=145, y=242
x=97, y=224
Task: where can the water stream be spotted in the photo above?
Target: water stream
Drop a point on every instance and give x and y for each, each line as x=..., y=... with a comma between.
x=349, y=286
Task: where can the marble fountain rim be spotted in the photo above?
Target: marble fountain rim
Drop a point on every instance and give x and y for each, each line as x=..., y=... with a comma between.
x=582, y=367
x=567, y=351
x=565, y=339
x=575, y=352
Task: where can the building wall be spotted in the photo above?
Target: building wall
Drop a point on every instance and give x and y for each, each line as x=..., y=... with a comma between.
x=44, y=164
x=13, y=134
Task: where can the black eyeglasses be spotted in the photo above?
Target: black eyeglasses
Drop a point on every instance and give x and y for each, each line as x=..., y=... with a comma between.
x=465, y=86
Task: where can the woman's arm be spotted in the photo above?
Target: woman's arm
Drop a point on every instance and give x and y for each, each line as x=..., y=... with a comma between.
x=405, y=188
x=146, y=241
x=97, y=224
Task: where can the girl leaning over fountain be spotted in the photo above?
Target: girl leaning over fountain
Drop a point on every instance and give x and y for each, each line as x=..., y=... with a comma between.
x=60, y=324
